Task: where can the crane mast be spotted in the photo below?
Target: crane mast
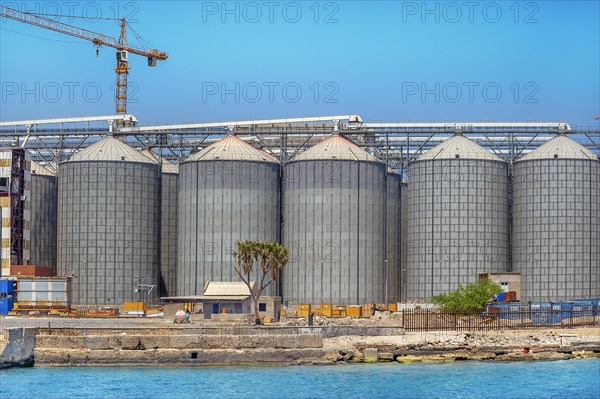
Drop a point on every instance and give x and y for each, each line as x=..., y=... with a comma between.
x=121, y=45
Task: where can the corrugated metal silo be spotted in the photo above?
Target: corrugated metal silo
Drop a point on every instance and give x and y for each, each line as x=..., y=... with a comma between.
x=43, y=206
x=457, y=217
x=556, y=222
x=229, y=192
x=334, y=224
x=108, y=221
x=169, y=194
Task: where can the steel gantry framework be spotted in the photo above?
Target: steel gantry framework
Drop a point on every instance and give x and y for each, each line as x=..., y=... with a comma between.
x=54, y=140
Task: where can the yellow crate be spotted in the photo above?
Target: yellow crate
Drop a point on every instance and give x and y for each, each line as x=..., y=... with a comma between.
x=133, y=306
x=304, y=309
x=392, y=307
x=354, y=311
x=267, y=320
x=326, y=309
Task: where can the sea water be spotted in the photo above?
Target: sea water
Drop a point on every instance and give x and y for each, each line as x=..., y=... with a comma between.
x=557, y=379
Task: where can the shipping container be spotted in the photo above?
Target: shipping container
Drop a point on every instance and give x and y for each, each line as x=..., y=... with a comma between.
x=44, y=292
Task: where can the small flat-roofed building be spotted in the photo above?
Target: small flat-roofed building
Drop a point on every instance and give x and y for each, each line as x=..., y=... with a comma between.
x=507, y=281
x=225, y=301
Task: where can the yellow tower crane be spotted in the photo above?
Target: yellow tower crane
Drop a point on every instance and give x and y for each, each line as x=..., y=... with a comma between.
x=98, y=40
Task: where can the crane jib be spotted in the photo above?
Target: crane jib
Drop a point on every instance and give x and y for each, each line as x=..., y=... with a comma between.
x=98, y=39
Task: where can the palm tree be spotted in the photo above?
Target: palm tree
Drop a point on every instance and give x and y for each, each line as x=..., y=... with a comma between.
x=271, y=256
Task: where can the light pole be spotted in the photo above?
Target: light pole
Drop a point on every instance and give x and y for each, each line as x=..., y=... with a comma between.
x=321, y=283
x=385, y=263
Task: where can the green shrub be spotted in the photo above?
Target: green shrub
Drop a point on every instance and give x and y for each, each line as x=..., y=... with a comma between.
x=474, y=296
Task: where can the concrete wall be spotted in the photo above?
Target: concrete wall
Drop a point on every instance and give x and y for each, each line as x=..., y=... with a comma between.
x=17, y=347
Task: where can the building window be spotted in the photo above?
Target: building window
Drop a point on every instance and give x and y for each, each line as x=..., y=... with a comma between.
x=262, y=307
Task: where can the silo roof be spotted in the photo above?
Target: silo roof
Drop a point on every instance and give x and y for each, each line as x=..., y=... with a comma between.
x=338, y=148
x=458, y=146
x=231, y=148
x=561, y=147
x=110, y=149
x=38, y=169
x=167, y=167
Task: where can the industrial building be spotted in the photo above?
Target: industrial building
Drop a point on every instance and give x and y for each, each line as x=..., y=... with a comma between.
x=458, y=217
x=108, y=224
x=334, y=224
x=556, y=221
x=229, y=192
x=15, y=199
x=371, y=212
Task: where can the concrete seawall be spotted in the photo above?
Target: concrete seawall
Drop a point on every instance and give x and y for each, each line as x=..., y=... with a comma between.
x=171, y=347
x=17, y=347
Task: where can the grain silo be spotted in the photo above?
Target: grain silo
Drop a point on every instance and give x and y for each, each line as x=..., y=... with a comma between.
x=108, y=221
x=43, y=208
x=393, y=235
x=457, y=217
x=334, y=223
x=229, y=192
x=169, y=194
x=556, y=222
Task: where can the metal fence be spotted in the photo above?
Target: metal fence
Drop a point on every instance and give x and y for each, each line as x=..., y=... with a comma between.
x=499, y=319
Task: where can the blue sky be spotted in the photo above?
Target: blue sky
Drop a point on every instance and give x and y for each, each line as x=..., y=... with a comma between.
x=386, y=61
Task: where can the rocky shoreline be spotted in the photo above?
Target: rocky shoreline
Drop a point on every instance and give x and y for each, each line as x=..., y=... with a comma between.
x=452, y=346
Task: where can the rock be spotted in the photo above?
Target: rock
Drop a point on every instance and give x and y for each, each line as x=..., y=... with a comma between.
x=584, y=354
x=550, y=356
x=370, y=355
x=358, y=358
x=408, y=359
x=386, y=357
x=483, y=355
x=348, y=356
x=432, y=359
